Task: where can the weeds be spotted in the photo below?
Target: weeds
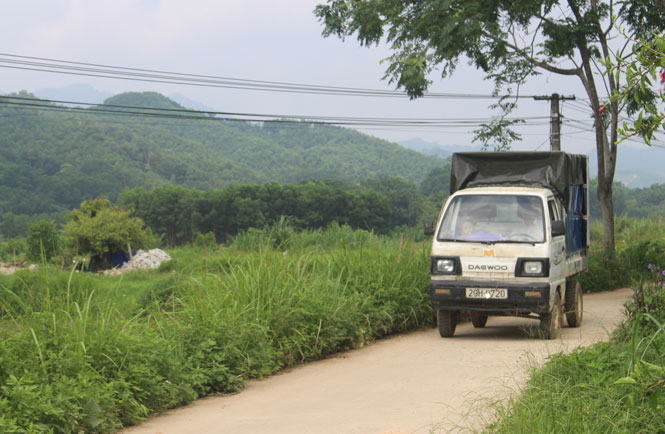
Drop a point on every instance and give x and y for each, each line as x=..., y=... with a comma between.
x=638, y=243
x=87, y=353
x=614, y=387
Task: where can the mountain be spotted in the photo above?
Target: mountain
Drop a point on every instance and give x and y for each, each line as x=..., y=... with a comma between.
x=149, y=100
x=53, y=159
x=637, y=167
x=83, y=93
x=434, y=148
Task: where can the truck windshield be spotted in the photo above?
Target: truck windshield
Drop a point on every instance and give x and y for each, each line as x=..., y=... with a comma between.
x=493, y=218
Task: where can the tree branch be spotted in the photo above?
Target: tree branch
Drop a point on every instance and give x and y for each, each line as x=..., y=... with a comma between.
x=541, y=63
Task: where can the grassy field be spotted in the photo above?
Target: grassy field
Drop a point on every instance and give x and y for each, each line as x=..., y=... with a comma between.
x=614, y=387
x=81, y=352
x=85, y=352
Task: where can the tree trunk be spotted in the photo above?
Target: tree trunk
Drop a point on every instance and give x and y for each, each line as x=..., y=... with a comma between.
x=605, y=180
x=607, y=211
x=605, y=152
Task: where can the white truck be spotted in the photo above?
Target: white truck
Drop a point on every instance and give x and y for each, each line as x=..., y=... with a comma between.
x=509, y=239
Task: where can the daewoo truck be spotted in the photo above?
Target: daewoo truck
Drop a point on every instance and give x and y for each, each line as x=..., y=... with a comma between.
x=510, y=238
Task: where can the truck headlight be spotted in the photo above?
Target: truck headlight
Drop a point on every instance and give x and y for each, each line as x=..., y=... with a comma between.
x=444, y=265
x=532, y=267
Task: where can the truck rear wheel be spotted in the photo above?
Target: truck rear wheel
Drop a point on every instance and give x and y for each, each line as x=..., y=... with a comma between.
x=550, y=323
x=574, y=304
x=478, y=320
x=447, y=320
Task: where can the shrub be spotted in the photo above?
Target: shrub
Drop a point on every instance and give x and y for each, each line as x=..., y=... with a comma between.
x=206, y=241
x=43, y=241
x=99, y=227
x=13, y=249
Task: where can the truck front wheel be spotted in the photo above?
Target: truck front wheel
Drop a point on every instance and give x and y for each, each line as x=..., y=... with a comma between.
x=550, y=323
x=447, y=320
x=478, y=320
x=574, y=304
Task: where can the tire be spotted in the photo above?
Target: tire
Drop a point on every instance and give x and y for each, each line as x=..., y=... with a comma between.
x=447, y=320
x=550, y=323
x=574, y=304
x=478, y=320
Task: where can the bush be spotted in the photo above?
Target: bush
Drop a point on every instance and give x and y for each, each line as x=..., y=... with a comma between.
x=13, y=249
x=206, y=241
x=43, y=241
x=621, y=269
x=99, y=227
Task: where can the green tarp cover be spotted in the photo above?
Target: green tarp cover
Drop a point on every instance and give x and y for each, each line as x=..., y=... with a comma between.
x=554, y=170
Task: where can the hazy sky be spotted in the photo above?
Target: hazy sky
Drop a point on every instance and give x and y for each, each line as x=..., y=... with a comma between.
x=259, y=40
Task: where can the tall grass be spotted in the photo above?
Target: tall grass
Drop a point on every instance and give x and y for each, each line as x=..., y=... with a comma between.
x=283, y=236
x=638, y=243
x=83, y=352
x=614, y=387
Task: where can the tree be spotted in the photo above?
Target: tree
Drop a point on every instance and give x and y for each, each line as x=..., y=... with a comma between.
x=406, y=203
x=43, y=240
x=437, y=183
x=12, y=226
x=99, y=228
x=645, y=77
x=510, y=41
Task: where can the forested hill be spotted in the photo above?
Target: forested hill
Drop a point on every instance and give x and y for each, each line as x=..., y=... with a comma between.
x=52, y=158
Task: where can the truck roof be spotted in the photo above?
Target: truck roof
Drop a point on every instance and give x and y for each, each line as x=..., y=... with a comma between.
x=508, y=190
x=556, y=171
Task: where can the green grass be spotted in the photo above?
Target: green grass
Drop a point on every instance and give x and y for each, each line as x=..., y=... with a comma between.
x=584, y=392
x=614, y=387
x=638, y=243
x=88, y=353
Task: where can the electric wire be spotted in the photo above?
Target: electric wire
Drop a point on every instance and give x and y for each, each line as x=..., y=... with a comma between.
x=126, y=110
x=58, y=66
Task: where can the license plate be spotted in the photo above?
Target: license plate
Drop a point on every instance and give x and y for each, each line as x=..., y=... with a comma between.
x=487, y=293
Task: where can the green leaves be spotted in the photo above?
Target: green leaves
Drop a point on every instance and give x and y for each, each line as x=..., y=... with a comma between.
x=99, y=227
x=92, y=413
x=642, y=93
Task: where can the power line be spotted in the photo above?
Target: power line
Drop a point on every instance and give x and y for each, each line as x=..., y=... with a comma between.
x=41, y=64
x=125, y=110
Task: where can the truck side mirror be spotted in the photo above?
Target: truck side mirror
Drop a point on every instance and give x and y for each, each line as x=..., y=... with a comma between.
x=429, y=227
x=558, y=228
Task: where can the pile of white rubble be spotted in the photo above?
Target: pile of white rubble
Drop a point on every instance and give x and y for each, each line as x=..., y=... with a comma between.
x=146, y=260
x=143, y=260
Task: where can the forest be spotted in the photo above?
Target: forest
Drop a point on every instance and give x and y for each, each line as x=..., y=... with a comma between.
x=187, y=176
x=53, y=156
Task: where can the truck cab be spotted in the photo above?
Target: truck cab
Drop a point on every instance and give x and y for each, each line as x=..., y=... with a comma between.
x=502, y=247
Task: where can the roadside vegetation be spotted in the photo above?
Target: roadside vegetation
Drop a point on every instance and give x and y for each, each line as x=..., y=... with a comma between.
x=82, y=352
x=616, y=386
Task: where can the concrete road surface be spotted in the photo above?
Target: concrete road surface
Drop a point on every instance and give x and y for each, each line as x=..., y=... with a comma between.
x=411, y=383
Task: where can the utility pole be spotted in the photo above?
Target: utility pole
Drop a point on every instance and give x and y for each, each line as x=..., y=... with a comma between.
x=555, y=118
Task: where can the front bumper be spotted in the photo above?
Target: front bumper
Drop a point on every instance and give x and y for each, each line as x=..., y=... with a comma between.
x=451, y=295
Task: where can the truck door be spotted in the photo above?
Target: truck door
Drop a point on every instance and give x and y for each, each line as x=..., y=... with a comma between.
x=558, y=250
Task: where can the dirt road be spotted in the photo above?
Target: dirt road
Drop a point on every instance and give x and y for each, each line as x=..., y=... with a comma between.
x=413, y=383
